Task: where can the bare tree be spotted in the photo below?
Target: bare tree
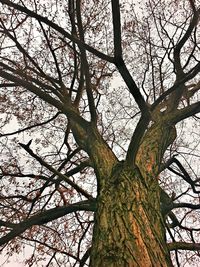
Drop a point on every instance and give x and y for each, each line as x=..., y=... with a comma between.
x=99, y=132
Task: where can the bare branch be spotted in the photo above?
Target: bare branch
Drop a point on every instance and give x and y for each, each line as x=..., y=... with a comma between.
x=136, y=138
x=59, y=29
x=186, y=205
x=180, y=44
x=47, y=216
x=183, y=246
x=32, y=126
x=60, y=175
x=185, y=113
x=116, y=29
x=85, y=66
x=188, y=76
x=68, y=109
x=133, y=88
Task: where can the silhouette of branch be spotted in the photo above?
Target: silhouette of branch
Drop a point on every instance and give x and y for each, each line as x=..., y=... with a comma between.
x=183, y=246
x=32, y=126
x=116, y=29
x=184, y=174
x=56, y=172
x=58, y=28
x=45, y=217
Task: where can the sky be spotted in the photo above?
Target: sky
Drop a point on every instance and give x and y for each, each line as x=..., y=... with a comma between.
x=12, y=262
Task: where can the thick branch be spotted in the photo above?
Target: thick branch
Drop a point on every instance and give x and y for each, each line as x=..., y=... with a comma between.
x=79, y=168
x=116, y=29
x=67, y=109
x=32, y=88
x=85, y=66
x=183, y=40
x=85, y=257
x=134, y=90
x=183, y=246
x=22, y=74
x=186, y=205
x=47, y=216
x=8, y=85
x=184, y=174
x=85, y=134
x=185, y=113
x=136, y=138
x=188, y=76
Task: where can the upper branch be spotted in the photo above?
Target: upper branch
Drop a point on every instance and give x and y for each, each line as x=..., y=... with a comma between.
x=52, y=52
x=68, y=109
x=27, y=55
x=118, y=58
x=85, y=65
x=183, y=40
x=58, y=29
x=133, y=88
x=188, y=76
x=32, y=126
x=29, y=86
x=117, y=29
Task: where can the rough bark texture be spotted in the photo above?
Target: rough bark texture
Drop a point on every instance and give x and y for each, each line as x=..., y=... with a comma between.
x=129, y=229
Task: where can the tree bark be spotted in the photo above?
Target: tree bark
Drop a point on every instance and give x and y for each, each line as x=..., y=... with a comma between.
x=129, y=228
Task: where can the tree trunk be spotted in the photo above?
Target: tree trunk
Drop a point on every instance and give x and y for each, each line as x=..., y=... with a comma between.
x=128, y=227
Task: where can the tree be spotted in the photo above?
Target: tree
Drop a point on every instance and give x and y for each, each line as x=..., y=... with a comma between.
x=82, y=144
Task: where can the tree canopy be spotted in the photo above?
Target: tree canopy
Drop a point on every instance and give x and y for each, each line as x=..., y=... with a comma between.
x=93, y=93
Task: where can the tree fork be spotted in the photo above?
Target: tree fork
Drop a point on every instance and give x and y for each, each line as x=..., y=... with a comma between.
x=129, y=228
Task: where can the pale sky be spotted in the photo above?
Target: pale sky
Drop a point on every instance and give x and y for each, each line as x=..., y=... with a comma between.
x=12, y=262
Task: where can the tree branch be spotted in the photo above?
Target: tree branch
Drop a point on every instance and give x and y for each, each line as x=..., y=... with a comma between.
x=188, y=76
x=186, y=112
x=32, y=126
x=22, y=74
x=67, y=109
x=59, y=29
x=59, y=174
x=186, y=205
x=133, y=89
x=116, y=29
x=85, y=257
x=183, y=246
x=183, y=40
x=85, y=66
x=52, y=52
x=136, y=138
x=185, y=175
x=47, y=216
x=26, y=54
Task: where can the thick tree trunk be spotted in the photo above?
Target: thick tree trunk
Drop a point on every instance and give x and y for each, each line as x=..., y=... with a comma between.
x=128, y=228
